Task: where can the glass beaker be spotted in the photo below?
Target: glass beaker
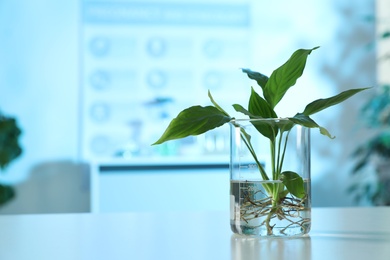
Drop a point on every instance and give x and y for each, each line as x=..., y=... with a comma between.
x=269, y=178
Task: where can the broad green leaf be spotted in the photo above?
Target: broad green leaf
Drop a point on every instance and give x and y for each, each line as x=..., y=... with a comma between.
x=260, y=78
x=216, y=105
x=259, y=107
x=321, y=104
x=195, y=120
x=324, y=131
x=241, y=109
x=294, y=183
x=285, y=125
x=283, y=193
x=304, y=120
x=285, y=76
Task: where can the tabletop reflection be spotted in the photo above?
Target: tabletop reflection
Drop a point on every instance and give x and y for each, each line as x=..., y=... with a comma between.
x=270, y=248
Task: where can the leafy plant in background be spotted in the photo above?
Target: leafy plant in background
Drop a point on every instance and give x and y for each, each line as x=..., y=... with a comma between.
x=375, y=115
x=197, y=120
x=9, y=151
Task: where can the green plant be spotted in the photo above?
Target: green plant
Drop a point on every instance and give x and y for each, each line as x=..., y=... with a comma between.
x=375, y=116
x=197, y=120
x=9, y=151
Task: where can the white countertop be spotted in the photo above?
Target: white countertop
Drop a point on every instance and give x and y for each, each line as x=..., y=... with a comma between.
x=337, y=233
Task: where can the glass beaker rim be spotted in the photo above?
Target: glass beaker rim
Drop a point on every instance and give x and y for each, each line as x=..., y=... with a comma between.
x=279, y=119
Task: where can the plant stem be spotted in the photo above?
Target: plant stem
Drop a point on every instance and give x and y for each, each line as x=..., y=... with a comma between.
x=284, y=150
x=272, y=149
x=277, y=187
x=253, y=153
x=267, y=187
x=278, y=162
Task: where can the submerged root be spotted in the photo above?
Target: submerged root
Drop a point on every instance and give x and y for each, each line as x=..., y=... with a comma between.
x=287, y=209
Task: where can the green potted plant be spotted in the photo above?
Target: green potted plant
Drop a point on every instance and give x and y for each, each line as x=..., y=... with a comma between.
x=375, y=152
x=371, y=170
x=9, y=151
x=270, y=188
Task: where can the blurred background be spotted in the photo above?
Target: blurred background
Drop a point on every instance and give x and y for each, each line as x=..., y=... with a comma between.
x=91, y=84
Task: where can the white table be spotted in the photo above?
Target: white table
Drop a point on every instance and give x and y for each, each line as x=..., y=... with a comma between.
x=337, y=233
